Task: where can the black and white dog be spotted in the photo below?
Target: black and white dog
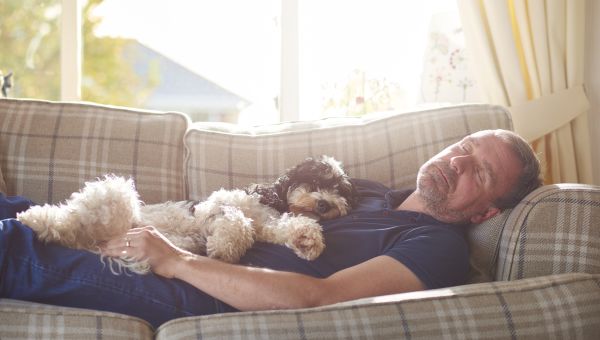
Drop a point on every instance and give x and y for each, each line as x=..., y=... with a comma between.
x=317, y=187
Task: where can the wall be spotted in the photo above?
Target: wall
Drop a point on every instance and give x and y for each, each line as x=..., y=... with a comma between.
x=592, y=81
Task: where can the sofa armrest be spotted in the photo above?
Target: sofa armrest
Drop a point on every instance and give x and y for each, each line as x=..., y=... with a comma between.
x=555, y=229
x=562, y=306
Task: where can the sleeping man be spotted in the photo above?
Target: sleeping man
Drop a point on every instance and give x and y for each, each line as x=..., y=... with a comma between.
x=401, y=240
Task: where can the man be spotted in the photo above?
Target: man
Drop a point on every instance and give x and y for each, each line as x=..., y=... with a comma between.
x=400, y=241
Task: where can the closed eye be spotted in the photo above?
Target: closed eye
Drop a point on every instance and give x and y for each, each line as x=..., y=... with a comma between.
x=466, y=148
x=480, y=175
x=488, y=173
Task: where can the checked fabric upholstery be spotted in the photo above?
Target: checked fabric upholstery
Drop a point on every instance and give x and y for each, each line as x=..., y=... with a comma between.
x=535, y=269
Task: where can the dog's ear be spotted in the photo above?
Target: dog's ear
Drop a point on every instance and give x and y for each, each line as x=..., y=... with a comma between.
x=347, y=190
x=354, y=195
x=269, y=195
x=345, y=186
x=281, y=187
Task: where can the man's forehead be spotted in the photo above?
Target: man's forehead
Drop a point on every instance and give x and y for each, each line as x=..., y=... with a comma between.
x=480, y=134
x=487, y=140
x=470, y=139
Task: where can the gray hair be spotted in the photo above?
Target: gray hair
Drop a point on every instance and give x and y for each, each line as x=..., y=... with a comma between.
x=530, y=177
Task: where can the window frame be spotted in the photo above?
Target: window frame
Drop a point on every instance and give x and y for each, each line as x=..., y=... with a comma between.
x=71, y=50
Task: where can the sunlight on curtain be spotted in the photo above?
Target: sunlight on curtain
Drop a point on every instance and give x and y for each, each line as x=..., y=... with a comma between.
x=530, y=57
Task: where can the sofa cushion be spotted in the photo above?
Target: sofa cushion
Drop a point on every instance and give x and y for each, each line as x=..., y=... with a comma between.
x=27, y=320
x=555, y=229
x=388, y=148
x=561, y=307
x=49, y=149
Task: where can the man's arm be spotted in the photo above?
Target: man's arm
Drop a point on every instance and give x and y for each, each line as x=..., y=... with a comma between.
x=248, y=288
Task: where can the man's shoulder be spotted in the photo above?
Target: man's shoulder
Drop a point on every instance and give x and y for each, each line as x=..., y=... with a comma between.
x=438, y=254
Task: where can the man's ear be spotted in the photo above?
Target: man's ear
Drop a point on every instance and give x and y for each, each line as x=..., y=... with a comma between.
x=486, y=215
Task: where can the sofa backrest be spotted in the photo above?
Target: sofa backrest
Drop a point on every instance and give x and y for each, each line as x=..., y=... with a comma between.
x=388, y=147
x=49, y=149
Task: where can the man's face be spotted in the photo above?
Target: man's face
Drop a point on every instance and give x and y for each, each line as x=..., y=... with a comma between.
x=461, y=183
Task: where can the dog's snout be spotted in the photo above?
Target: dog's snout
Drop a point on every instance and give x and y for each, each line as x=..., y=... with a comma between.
x=322, y=206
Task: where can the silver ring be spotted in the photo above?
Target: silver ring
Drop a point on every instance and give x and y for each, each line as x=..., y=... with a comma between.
x=127, y=242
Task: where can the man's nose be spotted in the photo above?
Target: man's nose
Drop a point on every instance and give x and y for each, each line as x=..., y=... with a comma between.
x=459, y=163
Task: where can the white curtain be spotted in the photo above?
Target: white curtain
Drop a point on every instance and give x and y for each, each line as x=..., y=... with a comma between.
x=528, y=55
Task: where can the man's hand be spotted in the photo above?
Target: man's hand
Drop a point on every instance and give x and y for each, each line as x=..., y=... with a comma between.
x=147, y=243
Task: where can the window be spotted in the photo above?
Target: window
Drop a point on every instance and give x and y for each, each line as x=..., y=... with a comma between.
x=211, y=59
x=245, y=61
x=360, y=56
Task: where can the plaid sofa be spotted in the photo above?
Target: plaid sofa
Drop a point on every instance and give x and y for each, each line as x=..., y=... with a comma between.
x=535, y=269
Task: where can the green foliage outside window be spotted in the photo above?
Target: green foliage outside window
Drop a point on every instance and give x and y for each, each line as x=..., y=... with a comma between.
x=30, y=48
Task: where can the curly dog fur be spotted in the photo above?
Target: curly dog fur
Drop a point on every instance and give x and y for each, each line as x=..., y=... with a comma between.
x=224, y=226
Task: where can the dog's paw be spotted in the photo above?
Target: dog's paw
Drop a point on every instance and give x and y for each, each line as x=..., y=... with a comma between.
x=215, y=249
x=306, y=241
x=232, y=235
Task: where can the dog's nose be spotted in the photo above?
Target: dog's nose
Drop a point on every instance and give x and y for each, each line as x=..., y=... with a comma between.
x=322, y=206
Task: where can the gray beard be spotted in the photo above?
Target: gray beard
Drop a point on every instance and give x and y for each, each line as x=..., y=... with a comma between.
x=435, y=200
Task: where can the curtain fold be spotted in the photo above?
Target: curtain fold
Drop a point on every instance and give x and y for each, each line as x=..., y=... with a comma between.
x=530, y=57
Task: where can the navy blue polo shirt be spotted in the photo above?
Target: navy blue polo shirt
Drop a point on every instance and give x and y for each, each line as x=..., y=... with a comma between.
x=436, y=252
